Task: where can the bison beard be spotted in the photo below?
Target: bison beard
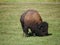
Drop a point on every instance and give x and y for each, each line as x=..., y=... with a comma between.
x=31, y=19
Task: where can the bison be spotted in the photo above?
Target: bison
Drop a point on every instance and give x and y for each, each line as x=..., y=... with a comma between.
x=32, y=20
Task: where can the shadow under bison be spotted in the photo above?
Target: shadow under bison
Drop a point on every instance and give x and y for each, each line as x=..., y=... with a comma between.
x=32, y=20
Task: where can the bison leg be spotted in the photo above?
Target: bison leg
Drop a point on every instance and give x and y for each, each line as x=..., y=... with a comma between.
x=25, y=30
x=33, y=30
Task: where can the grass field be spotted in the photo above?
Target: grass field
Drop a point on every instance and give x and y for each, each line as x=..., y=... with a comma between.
x=29, y=0
x=11, y=30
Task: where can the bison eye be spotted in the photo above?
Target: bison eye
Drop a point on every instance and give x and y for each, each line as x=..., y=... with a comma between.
x=40, y=27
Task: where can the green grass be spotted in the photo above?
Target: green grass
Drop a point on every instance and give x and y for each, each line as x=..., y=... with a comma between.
x=11, y=30
x=20, y=0
x=29, y=0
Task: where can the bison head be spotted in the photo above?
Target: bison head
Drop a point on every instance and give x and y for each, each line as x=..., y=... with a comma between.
x=42, y=29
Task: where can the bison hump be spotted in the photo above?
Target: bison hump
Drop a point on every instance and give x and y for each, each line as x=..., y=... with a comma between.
x=32, y=18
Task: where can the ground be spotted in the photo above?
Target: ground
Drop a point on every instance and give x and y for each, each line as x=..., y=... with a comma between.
x=29, y=0
x=11, y=31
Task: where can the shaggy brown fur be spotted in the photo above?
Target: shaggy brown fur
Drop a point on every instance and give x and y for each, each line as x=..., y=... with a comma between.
x=31, y=19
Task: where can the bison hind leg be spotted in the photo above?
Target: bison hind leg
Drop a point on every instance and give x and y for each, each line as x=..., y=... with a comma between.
x=25, y=30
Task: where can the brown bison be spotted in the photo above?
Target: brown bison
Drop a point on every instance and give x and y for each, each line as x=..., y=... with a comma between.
x=32, y=20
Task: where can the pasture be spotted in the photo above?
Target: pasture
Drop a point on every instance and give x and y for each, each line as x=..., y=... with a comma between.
x=29, y=0
x=11, y=30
